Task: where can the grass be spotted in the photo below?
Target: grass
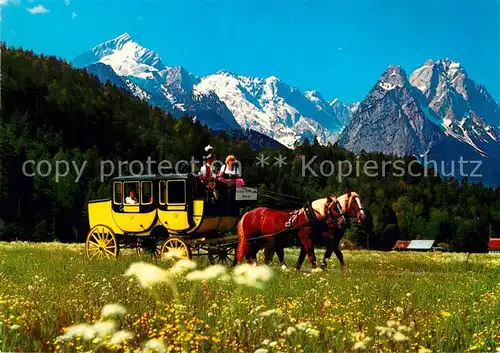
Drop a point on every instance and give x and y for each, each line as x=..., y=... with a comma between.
x=385, y=302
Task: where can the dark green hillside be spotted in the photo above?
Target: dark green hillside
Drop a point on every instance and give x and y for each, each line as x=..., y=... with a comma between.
x=50, y=111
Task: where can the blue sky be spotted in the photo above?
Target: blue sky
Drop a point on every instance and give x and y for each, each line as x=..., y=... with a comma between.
x=339, y=48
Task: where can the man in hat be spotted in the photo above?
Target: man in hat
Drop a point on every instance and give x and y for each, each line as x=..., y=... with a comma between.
x=208, y=174
x=208, y=169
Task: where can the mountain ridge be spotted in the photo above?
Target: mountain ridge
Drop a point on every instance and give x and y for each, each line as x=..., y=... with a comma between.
x=436, y=106
x=275, y=108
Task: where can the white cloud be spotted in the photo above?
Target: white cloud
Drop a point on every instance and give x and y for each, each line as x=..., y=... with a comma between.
x=73, y=14
x=38, y=9
x=9, y=2
x=67, y=2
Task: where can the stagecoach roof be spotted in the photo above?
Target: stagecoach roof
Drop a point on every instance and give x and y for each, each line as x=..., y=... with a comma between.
x=151, y=177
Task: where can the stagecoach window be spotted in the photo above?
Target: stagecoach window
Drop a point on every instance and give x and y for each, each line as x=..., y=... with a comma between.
x=162, y=192
x=132, y=186
x=176, y=191
x=147, y=187
x=117, y=193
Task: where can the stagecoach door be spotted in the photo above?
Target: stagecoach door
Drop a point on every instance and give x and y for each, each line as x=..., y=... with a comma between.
x=176, y=204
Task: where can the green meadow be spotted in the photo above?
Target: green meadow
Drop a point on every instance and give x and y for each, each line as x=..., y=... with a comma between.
x=54, y=299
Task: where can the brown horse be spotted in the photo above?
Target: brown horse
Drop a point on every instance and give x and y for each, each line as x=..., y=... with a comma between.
x=331, y=234
x=263, y=227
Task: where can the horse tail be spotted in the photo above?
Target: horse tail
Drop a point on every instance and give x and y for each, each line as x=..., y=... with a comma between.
x=243, y=242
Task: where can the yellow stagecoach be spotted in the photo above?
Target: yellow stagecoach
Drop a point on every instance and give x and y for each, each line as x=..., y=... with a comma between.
x=174, y=212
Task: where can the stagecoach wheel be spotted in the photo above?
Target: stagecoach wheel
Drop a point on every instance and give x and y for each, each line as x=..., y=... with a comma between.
x=222, y=255
x=177, y=247
x=149, y=245
x=101, y=243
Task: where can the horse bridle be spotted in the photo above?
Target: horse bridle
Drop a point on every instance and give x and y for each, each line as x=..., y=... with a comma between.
x=331, y=216
x=328, y=212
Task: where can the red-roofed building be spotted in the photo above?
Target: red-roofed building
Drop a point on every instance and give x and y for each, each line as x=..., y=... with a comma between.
x=494, y=246
x=401, y=245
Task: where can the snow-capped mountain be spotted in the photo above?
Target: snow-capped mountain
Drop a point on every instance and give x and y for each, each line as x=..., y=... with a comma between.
x=439, y=113
x=145, y=75
x=220, y=101
x=390, y=120
x=274, y=108
x=452, y=94
x=465, y=109
x=126, y=57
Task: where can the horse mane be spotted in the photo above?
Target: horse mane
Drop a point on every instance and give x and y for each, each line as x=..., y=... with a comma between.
x=352, y=196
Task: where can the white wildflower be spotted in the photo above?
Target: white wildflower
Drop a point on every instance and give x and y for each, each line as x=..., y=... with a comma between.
x=303, y=326
x=208, y=273
x=180, y=307
x=252, y=276
x=359, y=345
x=317, y=269
x=403, y=328
x=121, y=336
x=85, y=331
x=113, y=310
x=392, y=323
x=265, y=342
x=399, y=309
x=104, y=328
x=15, y=327
x=261, y=350
x=147, y=274
x=398, y=337
x=270, y=312
x=312, y=332
x=290, y=331
x=356, y=336
x=182, y=266
x=224, y=278
x=154, y=345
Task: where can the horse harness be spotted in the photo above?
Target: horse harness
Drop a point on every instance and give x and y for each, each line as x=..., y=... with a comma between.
x=312, y=219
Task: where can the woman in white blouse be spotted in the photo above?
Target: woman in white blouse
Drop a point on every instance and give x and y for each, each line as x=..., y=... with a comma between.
x=229, y=172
